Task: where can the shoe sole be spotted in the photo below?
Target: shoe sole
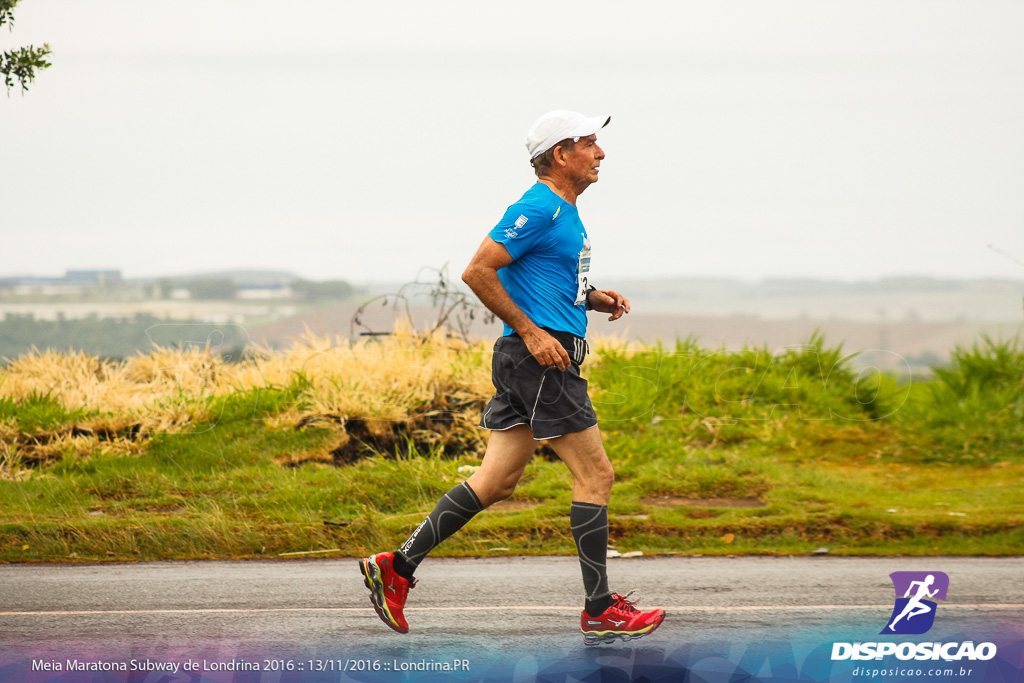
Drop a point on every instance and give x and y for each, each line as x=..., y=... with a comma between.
x=371, y=579
x=607, y=637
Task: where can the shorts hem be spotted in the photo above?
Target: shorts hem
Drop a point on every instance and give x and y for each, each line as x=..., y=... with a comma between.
x=535, y=437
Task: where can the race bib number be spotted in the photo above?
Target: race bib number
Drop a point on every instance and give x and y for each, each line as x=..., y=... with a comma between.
x=582, y=273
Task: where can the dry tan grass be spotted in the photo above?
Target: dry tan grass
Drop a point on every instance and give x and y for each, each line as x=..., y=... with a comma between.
x=132, y=389
x=10, y=462
x=382, y=380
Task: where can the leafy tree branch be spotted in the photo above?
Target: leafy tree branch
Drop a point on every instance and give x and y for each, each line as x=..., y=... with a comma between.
x=20, y=65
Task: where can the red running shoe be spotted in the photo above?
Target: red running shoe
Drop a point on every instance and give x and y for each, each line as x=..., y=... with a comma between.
x=388, y=590
x=621, y=620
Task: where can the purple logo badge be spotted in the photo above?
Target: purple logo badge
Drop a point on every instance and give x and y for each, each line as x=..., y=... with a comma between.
x=913, y=612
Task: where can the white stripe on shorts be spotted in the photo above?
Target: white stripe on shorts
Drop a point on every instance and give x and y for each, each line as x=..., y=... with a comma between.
x=537, y=400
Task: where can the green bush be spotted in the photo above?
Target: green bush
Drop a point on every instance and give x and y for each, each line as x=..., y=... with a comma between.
x=739, y=391
x=975, y=406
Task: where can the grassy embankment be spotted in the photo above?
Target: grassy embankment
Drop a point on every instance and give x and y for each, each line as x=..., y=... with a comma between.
x=178, y=455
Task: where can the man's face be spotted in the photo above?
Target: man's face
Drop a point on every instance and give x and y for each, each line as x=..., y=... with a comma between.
x=583, y=162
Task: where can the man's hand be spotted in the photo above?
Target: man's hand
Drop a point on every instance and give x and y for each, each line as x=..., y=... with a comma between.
x=547, y=350
x=608, y=301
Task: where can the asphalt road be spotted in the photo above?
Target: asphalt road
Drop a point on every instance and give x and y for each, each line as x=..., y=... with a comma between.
x=523, y=610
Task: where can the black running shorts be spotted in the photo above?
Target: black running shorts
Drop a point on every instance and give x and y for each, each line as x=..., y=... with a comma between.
x=551, y=402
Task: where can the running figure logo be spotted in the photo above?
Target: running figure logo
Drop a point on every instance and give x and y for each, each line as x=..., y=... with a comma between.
x=913, y=614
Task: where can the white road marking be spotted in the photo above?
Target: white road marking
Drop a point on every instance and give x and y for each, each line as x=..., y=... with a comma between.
x=492, y=608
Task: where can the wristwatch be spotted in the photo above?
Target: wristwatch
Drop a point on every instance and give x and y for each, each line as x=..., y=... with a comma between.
x=586, y=297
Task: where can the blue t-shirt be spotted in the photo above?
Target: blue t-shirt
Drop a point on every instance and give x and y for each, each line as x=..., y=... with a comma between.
x=550, y=260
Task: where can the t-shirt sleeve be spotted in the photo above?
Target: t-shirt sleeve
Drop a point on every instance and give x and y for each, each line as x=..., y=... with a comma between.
x=520, y=229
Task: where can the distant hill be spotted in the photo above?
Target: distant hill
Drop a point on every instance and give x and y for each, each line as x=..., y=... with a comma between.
x=888, y=299
x=242, y=278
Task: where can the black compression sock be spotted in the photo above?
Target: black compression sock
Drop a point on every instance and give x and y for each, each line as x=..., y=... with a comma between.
x=451, y=513
x=403, y=567
x=596, y=608
x=590, y=530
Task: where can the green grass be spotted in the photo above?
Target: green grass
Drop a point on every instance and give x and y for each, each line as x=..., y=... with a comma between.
x=860, y=464
x=37, y=413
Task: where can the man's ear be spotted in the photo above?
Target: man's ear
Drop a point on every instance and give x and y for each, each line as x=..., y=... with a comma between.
x=559, y=156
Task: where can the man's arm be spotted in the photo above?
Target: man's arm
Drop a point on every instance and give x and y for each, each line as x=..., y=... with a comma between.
x=482, y=277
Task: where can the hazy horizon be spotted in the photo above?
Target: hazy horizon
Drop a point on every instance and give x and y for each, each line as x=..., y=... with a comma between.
x=896, y=278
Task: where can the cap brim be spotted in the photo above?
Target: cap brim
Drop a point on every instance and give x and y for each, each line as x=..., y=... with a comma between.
x=591, y=126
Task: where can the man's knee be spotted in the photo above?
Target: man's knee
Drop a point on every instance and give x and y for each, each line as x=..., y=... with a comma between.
x=500, y=491
x=598, y=474
x=604, y=475
x=490, y=491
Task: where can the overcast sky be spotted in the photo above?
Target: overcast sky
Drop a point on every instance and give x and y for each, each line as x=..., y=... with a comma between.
x=362, y=141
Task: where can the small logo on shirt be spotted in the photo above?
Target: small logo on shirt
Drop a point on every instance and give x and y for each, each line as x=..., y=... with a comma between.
x=557, y=211
x=511, y=233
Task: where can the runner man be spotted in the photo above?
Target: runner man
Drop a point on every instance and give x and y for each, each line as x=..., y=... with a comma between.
x=531, y=271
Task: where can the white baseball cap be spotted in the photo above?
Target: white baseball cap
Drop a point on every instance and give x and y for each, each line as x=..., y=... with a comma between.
x=555, y=126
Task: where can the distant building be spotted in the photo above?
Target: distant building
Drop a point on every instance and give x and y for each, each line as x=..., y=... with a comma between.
x=74, y=282
x=54, y=288
x=25, y=286
x=96, y=278
x=271, y=292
